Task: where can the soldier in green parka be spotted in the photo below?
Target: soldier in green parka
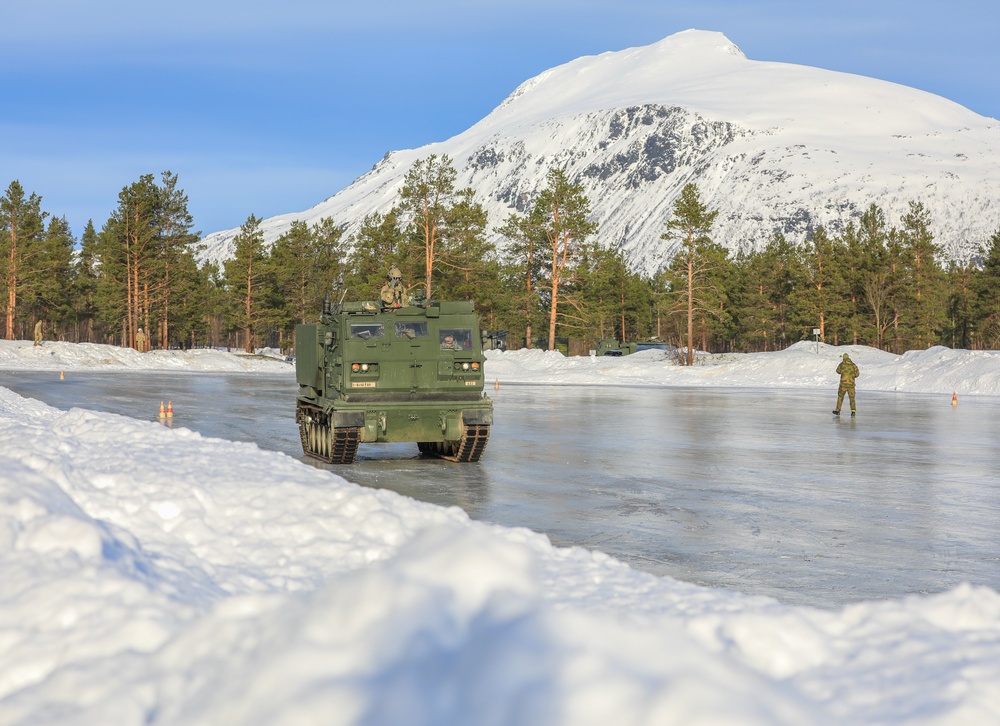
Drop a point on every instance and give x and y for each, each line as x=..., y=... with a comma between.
x=848, y=371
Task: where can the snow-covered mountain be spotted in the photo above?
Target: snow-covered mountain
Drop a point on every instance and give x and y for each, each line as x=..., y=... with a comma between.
x=772, y=146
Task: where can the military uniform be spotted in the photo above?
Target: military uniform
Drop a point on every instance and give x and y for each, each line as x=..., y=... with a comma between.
x=392, y=292
x=140, y=341
x=848, y=371
x=38, y=332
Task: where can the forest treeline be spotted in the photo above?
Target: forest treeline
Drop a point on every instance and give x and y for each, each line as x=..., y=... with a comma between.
x=880, y=282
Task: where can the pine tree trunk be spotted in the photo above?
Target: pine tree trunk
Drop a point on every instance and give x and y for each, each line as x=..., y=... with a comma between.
x=552, y=314
x=690, y=311
x=12, y=284
x=429, y=240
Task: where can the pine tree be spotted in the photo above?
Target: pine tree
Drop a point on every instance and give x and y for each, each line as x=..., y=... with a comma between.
x=524, y=273
x=378, y=246
x=84, y=285
x=923, y=305
x=48, y=293
x=821, y=297
x=305, y=262
x=246, y=282
x=22, y=224
x=193, y=301
x=128, y=251
x=174, y=243
x=214, y=304
x=465, y=259
x=985, y=292
x=960, y=320
x=769, y=280
x=611, y=300
x=849, y=262
x=426, y=197
x=560, y=216
x=750, y=295
x=876, y=282
x=695, y=260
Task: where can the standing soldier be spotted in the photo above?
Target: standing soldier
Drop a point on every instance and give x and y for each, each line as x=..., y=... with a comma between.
x=848, y=371
x=392, y=291
x=39, y=327
x=140, y=341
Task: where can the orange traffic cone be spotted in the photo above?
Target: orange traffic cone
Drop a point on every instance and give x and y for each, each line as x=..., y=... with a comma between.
x=954, y=398
x=170, y=409
x=162, y=414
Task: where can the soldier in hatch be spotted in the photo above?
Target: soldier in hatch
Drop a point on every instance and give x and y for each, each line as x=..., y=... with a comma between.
x=848, y=371
x=392, y=292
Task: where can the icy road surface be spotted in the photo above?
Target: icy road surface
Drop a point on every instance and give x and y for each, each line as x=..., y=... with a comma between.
x=765, y=492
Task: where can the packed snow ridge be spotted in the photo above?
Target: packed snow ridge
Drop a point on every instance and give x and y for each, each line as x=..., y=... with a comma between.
x=154, y=576
x=774, y=147
x=938, y=369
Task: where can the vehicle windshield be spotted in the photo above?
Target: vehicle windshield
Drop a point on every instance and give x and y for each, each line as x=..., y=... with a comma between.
x=411, y=330
x=455, y=338
x=367, y=330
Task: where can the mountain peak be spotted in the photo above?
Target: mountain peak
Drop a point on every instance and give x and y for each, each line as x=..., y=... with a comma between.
x=773, y=147
x=699, y=45
x=622, y=78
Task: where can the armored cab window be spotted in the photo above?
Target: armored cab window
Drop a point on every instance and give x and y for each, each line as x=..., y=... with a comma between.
x=411, y=330
x=367, y=330
x=455, y=338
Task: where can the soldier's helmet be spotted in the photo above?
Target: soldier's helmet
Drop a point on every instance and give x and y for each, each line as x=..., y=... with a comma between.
x=395, y=274
x=846, y=357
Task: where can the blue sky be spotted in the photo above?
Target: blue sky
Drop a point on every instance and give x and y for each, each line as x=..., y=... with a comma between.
x=268, y=107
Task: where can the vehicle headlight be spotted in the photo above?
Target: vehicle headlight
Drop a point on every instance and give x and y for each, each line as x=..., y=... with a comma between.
x=364, y=367
x=355, y=367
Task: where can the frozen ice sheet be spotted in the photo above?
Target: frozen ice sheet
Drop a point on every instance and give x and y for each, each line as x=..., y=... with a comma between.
x=762, y=491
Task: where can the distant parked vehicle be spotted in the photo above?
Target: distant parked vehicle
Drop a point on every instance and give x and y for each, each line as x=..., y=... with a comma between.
x=494, y=339
x=614, y=347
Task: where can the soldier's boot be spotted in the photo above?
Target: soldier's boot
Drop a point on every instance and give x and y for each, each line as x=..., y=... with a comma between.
x=853, y=413
x=836, y=413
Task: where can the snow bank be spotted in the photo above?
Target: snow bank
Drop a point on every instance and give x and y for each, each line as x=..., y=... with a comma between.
x=154, y=576
x=803, y=365
x=59, y=356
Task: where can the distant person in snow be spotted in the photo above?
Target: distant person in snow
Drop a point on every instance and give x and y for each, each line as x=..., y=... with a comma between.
x=39, y=332
x=392, y=292
x=140, y=341
x=848, y=371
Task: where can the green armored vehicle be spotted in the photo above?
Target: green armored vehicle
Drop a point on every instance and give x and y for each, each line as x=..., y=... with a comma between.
x=612, y=347
x=371, y=373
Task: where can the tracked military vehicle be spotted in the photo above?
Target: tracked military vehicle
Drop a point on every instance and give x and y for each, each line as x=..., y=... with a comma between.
x=372, y=373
